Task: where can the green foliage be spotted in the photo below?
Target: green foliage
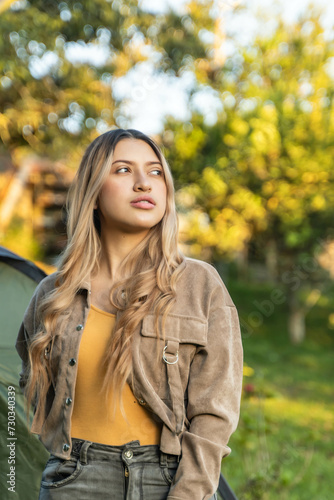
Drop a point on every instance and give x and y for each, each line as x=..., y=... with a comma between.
x=57, y=112
x=20, y=239
x=266, y=165
x=257, y=182
x=283, y=446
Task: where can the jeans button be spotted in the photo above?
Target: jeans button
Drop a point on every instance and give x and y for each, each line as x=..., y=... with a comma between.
x=128, y=454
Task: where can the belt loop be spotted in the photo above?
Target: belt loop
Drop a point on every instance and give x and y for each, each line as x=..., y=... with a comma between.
x=163, y=459
x=83, y=452
x=171, y=348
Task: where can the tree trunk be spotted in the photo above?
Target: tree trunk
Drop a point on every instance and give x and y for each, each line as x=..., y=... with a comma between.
x=272, y=260
x=296, y=319
x=14, y=194
x=242, y=264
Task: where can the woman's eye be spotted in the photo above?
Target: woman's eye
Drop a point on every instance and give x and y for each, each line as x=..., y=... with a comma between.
x=122, y=169
x=157, y=171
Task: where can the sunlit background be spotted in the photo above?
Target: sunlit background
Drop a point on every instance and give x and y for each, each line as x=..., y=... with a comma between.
x=239, y=95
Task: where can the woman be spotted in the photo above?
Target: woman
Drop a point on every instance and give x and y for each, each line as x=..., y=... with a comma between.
x=131, y=353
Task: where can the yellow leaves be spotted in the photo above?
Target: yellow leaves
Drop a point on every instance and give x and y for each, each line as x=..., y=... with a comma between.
x=331, y=321
x=300, y=133
x=231, y=231
x=229, y=228
x=222, y=162
x=318, y=202
x=289, y=105
x=247, y=371
x=97, y=86
x=268, y=188
x=269, y=113
x=196, y=227
x=249, y=205
x=227, y=233
x=202, y=69
x=122, y=64
x=296, y=151
x=185, y=198
x=239, y=126
x=213, y=184
x=4, y=128
x=258, y=165
x=230, y=140
x=186, y=145
x=299, y=411
x=323, y=176
x=260, y=141
x=310, y=177
x=272, y=203
x=265, y=137
x=291, y=172
x=291, y=204
x=200, y=12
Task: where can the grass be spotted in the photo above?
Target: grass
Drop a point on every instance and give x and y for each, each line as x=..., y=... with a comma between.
x=283, y=447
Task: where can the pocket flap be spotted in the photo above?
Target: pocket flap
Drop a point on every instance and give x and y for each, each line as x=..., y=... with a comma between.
x=183, y=329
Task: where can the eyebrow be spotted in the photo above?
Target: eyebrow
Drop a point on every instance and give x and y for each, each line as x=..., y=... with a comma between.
x=133, y=162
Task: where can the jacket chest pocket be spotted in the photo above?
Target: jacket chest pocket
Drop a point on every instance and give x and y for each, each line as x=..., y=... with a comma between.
x=169, y=360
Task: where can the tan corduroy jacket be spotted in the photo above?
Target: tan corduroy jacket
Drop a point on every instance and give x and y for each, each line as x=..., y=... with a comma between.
x=195, y=391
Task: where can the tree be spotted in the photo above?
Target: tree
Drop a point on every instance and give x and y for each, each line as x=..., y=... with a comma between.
x=54, y=103
x=55, y=98
x=262, y=176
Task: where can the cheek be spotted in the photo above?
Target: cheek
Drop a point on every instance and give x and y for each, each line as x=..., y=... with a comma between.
x=163, y=196
x=109, y=193
x=164, y=206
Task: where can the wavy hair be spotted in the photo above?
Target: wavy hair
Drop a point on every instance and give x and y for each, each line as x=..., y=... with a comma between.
x=149, y=272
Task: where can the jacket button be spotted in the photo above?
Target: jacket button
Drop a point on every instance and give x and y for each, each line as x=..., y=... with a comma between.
x=66, y=447
x=68, y=401
x=142, y=402
x=72, y=362
x=79, y=328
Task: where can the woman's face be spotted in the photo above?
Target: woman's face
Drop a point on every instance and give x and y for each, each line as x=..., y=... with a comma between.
x=133, y=197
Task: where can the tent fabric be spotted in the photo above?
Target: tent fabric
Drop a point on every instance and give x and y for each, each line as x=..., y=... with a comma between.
x=25, y=266
x=16, y=290
x=18, y=280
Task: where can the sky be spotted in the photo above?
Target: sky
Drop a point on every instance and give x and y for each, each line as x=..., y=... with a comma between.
x=146, y=99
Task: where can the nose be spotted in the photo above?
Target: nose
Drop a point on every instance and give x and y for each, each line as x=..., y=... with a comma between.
x=142, y=183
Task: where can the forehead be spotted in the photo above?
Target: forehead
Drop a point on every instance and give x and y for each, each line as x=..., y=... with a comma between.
x=135, y=150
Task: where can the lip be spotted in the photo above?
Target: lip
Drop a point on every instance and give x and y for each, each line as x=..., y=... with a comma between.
x=145, y=202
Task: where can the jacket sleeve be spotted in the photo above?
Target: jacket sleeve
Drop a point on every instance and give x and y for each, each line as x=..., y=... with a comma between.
x=214, y=392
x=27, y=329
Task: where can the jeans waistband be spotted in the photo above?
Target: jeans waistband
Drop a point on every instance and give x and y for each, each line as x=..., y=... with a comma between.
x=80, y=448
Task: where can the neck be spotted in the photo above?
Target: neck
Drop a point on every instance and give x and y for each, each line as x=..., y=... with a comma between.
x=115, y=248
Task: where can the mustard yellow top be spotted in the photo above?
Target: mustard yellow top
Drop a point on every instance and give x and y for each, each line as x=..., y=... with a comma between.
x=89, y=418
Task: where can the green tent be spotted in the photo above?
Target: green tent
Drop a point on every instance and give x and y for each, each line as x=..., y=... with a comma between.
x=22, y=456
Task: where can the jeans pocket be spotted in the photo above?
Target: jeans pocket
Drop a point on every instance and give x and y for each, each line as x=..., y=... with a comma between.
x=59, y=472
x=169, y=472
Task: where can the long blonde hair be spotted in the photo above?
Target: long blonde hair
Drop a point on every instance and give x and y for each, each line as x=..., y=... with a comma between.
x=150, y=270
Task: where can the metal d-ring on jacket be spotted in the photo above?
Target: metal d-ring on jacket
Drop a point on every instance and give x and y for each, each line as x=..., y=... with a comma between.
x=195, y=389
